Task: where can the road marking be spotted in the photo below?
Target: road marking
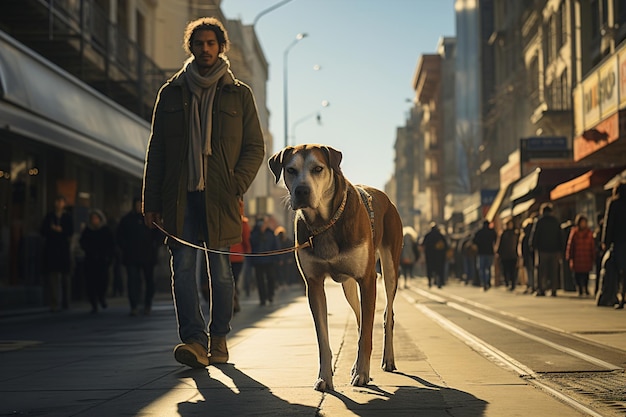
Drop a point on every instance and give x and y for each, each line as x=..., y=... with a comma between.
x=498, y=357
x=561, y=348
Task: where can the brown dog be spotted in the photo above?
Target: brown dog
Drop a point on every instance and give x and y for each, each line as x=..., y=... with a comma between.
x=347, y=228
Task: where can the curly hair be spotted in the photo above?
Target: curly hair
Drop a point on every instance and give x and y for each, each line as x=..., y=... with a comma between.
x=206, y=23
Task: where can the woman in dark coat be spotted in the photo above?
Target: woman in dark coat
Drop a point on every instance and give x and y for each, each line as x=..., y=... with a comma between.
x=57, y=229
x=98, y=244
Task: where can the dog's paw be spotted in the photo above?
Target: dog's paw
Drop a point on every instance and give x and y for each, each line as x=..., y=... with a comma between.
x=323, y=385
x=360, y=379
x=389, y=365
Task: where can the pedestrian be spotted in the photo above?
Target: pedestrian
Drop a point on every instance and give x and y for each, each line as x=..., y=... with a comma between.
x=435, y=249
x=237, y=257
x=507, y=254
x=597, y=239
x=547, y=243
x=98, y=243
x=485, y=240
x=139, y=245
x=581, y=253
x=469, y=251
x=287, y=269
x=614, y=235
x=205, y=149
x=409, y=255
x=57, y=229
x=262, y=239
x=526, y=254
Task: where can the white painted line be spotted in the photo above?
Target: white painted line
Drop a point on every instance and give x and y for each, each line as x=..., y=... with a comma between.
x=498, y=357
x=561, y=348
x=479, y=345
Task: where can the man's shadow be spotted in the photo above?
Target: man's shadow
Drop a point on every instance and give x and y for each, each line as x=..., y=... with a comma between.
x=431, y=399
x=248, y=397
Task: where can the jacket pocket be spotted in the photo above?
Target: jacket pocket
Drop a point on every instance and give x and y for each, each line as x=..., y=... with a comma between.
x=231, y=124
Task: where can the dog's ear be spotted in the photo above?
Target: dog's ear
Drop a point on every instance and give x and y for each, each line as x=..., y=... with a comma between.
x=334, y=158
x=277, y=161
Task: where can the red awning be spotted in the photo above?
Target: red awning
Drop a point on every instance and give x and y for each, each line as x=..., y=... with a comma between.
x=590, y=179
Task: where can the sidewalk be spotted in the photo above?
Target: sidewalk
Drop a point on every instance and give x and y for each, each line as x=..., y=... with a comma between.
x=113, y=365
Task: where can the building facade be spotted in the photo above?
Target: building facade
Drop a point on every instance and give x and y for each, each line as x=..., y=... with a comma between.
x=78, y=81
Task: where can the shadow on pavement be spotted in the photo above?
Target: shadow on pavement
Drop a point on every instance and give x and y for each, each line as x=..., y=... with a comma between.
x=412, y=400
x=245, y=397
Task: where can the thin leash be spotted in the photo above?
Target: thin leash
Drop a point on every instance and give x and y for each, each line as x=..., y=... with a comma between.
x=293, y=249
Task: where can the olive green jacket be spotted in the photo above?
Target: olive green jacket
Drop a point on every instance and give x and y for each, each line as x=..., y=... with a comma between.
x=237, y=153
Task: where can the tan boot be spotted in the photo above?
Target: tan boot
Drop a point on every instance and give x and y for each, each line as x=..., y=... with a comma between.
x=194, y=355
x=218, y=352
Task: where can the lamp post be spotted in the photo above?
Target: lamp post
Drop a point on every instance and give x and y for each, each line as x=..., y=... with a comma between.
x=325, y=103
x=298, y=38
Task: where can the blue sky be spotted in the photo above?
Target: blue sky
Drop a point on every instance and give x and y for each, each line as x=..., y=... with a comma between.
x=367, y=51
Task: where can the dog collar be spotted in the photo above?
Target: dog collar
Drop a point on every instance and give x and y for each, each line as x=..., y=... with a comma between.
x=333, y=220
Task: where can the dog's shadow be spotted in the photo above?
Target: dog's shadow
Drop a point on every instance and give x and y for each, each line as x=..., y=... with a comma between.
x=245, y=397
x=428, y=400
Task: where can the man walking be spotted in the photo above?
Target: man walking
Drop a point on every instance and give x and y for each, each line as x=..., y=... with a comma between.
x=485, y=239
x=139, y=246
x=547, y=242
x=205, y=149
x=435, y=247
x=614, y=235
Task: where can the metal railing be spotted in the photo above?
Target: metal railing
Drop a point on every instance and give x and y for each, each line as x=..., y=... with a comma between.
x=107, y=47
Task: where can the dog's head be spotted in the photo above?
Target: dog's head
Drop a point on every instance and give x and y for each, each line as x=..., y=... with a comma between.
x=309, y=171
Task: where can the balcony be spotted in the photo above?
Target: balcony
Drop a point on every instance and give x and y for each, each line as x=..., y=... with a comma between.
x=78, y=37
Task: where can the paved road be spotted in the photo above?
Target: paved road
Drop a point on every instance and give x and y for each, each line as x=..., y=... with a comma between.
x=459, y=351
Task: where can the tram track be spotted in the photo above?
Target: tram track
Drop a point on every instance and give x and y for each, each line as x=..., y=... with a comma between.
x=584, y=374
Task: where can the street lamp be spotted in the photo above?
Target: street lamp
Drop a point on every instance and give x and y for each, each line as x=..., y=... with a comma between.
x=325, y=103
x=269, y=9
x=298, y=38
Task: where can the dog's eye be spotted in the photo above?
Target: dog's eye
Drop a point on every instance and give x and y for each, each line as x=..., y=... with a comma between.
x=318, y=169
x=291, y=171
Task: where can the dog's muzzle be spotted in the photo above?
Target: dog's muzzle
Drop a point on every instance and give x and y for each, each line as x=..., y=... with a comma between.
x=301, y=197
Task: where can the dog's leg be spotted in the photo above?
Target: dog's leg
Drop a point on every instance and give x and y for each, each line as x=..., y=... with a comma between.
x=351, y=291
x=361, y=368
x=390, y=278
x=317, y=303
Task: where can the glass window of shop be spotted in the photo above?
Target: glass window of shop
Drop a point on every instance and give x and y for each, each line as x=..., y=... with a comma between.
x=22, y=193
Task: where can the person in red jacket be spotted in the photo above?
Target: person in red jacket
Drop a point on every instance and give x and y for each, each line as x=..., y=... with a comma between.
x=581, y=253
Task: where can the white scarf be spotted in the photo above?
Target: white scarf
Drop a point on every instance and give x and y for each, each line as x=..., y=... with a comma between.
x=202, y=88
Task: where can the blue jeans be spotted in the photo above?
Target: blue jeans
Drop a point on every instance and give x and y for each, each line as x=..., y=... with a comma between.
x=191, y=324
x=484, y=269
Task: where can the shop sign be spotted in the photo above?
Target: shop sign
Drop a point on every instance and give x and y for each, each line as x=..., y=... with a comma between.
x=622, y=79
x=544, y=147
x=601, y=93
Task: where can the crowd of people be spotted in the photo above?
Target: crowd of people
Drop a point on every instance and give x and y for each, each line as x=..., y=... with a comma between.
x=543, y=253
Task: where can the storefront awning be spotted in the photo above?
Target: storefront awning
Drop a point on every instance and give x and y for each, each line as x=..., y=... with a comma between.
x=523, y=207
x=616, y=180
x=540, y=182
x=40, y=101
x=590, y=179
x=497, y=202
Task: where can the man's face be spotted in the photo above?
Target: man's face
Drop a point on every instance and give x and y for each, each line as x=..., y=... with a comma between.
x=205, y=49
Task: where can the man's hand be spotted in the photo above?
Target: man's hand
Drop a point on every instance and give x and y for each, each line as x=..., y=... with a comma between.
x=152, y=217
